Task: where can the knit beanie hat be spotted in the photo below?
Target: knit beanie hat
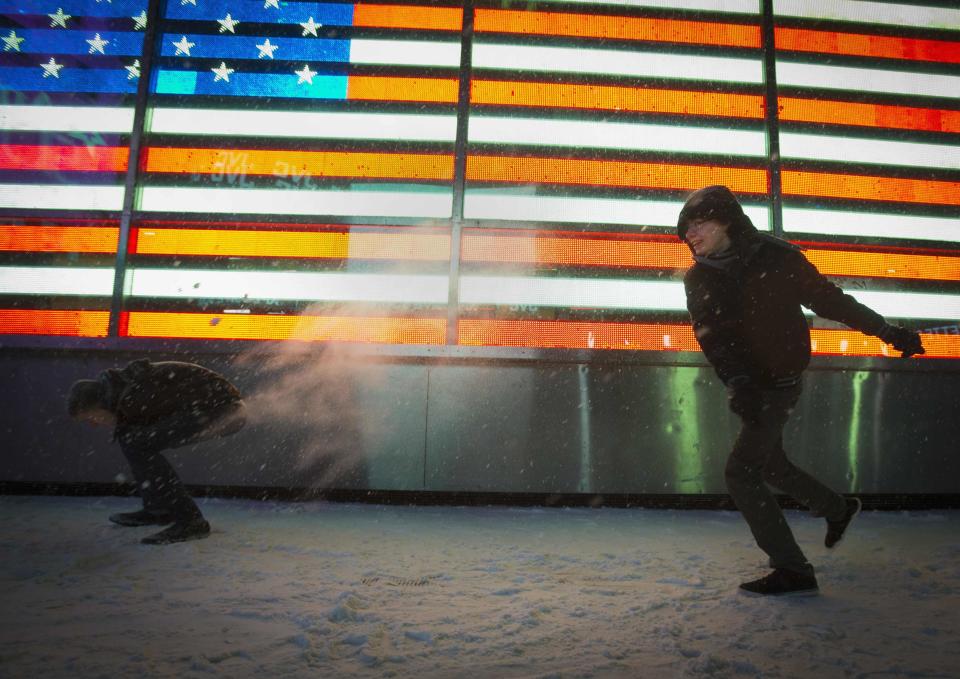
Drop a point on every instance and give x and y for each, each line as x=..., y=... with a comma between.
x=712, y=202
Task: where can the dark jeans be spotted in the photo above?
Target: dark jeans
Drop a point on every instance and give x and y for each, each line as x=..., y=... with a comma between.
x=160, y=487
x=758, y=459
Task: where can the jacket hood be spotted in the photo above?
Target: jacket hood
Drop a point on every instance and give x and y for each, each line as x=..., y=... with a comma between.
x=715, y=202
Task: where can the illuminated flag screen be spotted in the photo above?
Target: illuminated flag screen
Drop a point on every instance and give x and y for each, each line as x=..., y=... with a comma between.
x=68, y=75
x=497, y=175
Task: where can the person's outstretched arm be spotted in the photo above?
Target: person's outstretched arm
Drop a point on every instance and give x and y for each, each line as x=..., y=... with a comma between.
x=825, y=299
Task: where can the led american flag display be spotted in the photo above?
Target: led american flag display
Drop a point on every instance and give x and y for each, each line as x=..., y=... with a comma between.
x=491, y=174
x=68, y=74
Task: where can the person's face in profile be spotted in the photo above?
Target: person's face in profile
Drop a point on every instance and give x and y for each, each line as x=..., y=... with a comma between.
x=707, y=237
x=99, y=417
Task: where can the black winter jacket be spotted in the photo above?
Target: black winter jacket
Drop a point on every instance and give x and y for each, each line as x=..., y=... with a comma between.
x=144, y=393
x=746, y=309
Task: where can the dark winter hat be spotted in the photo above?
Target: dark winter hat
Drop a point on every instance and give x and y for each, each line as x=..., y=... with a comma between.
x=712, y=202
x=84, y=395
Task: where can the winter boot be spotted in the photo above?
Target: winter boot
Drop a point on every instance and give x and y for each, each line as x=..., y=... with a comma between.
x=141, y=518
x=195, y=529
x=836, y=529
x=783, y=582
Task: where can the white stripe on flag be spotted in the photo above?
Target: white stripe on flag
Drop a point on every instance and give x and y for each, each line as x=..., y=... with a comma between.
x=911, y=304
x=51, y=280
x=870, y=224
x=287, y=285
x=666, y=296
x=364, y=203
x=870, y=12
x=61, y=197
x=596, y=134
x=108, y=120
x=405, y=52
x=500, y=204
x=572, y=292
x=798, y=74
x=305, y=124
x=617, y=62
x=871, y=151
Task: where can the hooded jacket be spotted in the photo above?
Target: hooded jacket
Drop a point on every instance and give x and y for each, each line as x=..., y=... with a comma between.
x=745, y=305
x=144, y=393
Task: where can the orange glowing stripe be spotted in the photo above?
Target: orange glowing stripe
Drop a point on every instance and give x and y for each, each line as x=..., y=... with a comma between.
x=404, y=16
x=54, y=322
x=300, y=163
x=880, y=46
x=612, y=173
x=305, y=244
x=868, y=115
x=830, y=185
x=885, y=265
x=574, y=250
x=853, y=343
x=577, y=335
x=600, y=250
x=615, y=28
x=92, y=239
x=64, y=158
x=300, y=328
x=615, y=98
x=375, y=88
x=665, y=337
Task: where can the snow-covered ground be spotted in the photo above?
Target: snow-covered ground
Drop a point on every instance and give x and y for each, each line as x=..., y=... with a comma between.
x=343, y=590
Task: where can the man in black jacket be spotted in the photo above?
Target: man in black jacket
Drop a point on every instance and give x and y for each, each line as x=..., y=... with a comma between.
x=153, y=407
x=744, y=295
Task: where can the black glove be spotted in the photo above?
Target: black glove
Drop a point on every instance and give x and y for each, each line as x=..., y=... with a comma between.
x=903, y=339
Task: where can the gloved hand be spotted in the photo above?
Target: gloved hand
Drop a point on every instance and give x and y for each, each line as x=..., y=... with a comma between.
x=903, y=339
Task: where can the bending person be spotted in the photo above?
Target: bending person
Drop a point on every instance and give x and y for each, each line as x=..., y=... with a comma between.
x=744, y=294
x=155, y=407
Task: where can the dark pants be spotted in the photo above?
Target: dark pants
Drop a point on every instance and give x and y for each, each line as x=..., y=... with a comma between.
x=758, y=459
x=160, y=487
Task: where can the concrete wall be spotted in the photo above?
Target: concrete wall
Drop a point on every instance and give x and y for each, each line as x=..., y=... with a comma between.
x=332, y=421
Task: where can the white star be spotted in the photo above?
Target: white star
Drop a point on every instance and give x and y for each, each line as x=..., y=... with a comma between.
x=51, y=68
x=310, y=27
x=133, y=71
x=12, y=42
x=222, y=73
x=271, y=3
x=59, y=19
x=183, y=47
x=266, y=49
x=97, y=44
x=227, y=23
x=140, y=22
x=306, y=75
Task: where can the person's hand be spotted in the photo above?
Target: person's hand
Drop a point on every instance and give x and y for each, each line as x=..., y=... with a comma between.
x=903, y=340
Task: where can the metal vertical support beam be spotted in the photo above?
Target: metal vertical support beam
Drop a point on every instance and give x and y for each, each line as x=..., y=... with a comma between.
x=133, y=162
x=460, y=170
x=771, y=115
x=585, y=484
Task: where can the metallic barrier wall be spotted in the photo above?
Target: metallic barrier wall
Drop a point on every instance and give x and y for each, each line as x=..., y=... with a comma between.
x=520, y=427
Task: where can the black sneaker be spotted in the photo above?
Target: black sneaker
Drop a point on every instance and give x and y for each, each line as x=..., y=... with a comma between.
x=141, y=518
x=179, y=532
x=783, y=582
x=836, y=529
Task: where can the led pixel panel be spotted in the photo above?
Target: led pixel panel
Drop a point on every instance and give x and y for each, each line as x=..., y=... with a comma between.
x=506, y=175
x=69, y=72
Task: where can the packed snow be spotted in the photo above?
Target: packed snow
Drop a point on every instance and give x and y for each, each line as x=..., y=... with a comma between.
x=353, y=590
